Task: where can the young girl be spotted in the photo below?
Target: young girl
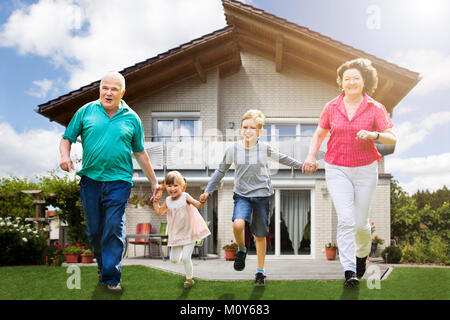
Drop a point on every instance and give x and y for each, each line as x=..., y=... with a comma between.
x=185, y=225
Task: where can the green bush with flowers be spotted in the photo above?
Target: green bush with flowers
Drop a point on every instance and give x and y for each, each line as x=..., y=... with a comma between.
x=20, y=242
x=73, y=249
x=53, y=255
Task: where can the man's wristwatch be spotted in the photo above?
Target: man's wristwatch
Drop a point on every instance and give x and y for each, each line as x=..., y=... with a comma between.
x=378, y=135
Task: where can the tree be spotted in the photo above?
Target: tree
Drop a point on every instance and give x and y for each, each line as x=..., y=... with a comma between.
x=13, y=202
x=434, y=199
x=59, y=192
x=63, y=193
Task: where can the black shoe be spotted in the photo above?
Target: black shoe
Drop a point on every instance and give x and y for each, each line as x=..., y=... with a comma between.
x=350, y=279
x=360, y=267
x=259, y=279
x=239, y=260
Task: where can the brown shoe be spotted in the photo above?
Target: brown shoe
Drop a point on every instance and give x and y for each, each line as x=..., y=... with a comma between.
x=188, y=283
x=114, y=288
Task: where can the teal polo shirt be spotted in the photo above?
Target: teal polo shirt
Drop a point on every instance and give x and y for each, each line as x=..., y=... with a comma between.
x=107, y=142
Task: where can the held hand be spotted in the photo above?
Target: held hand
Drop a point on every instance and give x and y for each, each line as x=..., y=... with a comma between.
x=66, y=164
x=156, y=189
x=157, y=193
x=310, y=165
x=204, y=197
x=366, y=135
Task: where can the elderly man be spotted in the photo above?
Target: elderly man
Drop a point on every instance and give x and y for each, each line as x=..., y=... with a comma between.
x=109, y=132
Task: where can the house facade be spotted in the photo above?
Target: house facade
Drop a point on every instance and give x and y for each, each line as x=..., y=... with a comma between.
x=191, y=99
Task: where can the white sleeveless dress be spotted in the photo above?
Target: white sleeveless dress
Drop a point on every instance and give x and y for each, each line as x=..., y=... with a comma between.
x=184, y=223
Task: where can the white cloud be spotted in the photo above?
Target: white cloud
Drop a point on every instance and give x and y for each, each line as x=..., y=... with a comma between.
x=433, y=65
x=41, y=88
x=30, y=153
x=87, y=40
x=404, y=109
x=432, y=172
x=412, y=133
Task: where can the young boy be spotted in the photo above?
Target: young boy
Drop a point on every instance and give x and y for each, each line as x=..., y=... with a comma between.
x=252, y=187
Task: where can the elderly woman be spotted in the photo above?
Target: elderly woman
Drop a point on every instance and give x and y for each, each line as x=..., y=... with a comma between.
x=355, y=121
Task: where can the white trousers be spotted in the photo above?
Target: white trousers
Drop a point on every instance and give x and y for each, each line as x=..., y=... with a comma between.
x=351, y=190
x=184, y=253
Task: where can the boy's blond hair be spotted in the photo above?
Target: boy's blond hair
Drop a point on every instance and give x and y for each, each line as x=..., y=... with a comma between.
x=256, y=115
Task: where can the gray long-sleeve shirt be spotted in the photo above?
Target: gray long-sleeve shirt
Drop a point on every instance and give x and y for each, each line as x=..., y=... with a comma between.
x=252, y=174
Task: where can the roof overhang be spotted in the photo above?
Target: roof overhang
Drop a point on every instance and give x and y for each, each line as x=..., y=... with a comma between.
x=194, y=59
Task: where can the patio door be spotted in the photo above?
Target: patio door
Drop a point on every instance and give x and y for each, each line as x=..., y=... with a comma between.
x=289, y=227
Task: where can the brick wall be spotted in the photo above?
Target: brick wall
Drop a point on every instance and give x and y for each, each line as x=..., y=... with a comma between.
x=225, y=206
x=190, y=95
x=279, y=95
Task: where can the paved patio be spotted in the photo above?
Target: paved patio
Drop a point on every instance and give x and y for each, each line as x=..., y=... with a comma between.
x=220, y=269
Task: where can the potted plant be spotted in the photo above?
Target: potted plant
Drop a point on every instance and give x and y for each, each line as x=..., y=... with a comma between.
x=375, y=242
x=87, y=256
x=330, y=251
x=72, y=253
x=230, y=250
x=54, y=255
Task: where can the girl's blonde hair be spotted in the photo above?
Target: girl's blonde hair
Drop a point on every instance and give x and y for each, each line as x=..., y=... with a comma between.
x=256, y=115
x=172, y=177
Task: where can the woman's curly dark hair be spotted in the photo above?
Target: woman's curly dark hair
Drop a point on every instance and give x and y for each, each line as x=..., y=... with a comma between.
x=368, y=73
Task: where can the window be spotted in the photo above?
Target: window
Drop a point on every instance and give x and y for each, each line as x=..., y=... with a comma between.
x=175, y=126
x=288, y=129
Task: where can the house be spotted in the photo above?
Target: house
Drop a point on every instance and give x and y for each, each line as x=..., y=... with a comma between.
x=191, y=98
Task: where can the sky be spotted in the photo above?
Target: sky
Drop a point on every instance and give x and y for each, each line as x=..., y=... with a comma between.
x=51, y=47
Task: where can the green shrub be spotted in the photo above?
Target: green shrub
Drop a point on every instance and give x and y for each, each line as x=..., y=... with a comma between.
x=435, y=250
x=20, y=242
x=438, y=251
x=59, y=192
x=392, y=254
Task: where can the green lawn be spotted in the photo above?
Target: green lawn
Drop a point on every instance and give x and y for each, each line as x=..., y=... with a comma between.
x=143, y=283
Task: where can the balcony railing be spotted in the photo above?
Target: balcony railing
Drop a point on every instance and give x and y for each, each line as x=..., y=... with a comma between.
x=206, y=152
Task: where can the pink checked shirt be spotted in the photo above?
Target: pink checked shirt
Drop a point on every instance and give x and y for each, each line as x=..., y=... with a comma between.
x=343, y=149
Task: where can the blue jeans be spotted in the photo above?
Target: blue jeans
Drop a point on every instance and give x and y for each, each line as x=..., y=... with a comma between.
x=104, y=206
x=255, y=211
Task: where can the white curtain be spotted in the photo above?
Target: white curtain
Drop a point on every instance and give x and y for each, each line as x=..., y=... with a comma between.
x=295, y=205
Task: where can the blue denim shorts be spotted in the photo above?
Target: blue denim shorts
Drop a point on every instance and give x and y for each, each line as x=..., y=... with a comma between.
x=255, y=211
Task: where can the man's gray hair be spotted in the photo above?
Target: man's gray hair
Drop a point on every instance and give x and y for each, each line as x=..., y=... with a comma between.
x=115, y=75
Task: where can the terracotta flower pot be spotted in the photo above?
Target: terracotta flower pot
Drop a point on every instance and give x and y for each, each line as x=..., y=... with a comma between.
x=331, y=253
x=72, y=257
x=229, y=254
x=87, y=258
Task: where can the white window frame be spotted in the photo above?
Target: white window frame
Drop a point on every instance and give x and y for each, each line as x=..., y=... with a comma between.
x=176, y=117
x=298, y=122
